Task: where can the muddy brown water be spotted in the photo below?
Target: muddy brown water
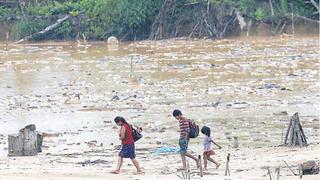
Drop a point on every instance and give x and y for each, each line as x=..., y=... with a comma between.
x=261, y=83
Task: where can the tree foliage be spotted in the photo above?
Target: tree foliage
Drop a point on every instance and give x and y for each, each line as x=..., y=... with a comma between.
x=127, y=19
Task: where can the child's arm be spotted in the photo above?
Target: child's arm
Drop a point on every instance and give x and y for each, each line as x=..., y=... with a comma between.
x=122, y=133
x=216, y=144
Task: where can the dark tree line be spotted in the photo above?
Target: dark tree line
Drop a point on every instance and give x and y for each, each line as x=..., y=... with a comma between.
x=150, y=19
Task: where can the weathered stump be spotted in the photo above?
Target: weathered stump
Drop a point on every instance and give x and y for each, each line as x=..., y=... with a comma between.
x=27, y=143
x=295, y=135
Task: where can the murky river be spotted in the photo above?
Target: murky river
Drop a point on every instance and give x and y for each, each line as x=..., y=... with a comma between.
x=243, y=88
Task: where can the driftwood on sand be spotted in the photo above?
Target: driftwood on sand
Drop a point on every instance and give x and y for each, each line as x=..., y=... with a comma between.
x=306, y=168
x=27, y=143
x=47, y=29
x=277, y=173
x=295, y=135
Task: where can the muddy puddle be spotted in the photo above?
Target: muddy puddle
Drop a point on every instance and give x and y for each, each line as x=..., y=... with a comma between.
x=243, y=88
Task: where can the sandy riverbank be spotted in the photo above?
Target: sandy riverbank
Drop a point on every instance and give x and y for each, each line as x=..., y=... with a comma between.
x=258, y=84
x=245, y=163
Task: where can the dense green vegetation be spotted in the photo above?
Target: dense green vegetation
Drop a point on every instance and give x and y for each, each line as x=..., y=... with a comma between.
x=99, y=19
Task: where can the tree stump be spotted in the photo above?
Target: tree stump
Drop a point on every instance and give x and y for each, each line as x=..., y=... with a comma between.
x=27, y=143
x=295, y=135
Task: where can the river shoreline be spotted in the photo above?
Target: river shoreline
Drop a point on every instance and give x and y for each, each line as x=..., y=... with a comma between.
x=257, y=84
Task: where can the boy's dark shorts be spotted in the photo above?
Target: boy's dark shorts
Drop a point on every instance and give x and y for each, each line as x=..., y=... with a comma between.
x=183, y=144
x=127, y=151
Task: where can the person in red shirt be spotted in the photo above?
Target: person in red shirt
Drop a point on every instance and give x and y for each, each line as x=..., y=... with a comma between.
x=127, y=149
x=184, y=125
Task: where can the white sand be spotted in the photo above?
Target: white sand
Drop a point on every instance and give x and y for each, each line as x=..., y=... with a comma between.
x=245, y=163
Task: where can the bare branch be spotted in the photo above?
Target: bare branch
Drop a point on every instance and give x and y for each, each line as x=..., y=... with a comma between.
x=49, y=28
x=304, y=18
x=316, y=5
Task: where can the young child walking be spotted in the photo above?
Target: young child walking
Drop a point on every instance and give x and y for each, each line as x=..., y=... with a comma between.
x=208, y=151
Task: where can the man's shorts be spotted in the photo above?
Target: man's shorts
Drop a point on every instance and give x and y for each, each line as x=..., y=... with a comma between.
x=127, y=151
x=183, y=144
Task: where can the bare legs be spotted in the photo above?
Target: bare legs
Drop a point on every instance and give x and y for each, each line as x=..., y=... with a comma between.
x=136, y=164
x=208, y=158
x=205, y=161
x=120, y=160
x=184, y=161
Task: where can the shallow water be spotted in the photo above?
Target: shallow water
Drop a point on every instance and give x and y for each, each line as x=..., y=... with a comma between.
x=256, y=80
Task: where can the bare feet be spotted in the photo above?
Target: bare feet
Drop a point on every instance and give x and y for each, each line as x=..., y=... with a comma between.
x=139, y=172
x=182, y=169
x=218, y=165
x=115, y=172
x=198, y=164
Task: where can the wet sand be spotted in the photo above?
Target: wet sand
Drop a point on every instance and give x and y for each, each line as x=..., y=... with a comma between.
x=261, y=83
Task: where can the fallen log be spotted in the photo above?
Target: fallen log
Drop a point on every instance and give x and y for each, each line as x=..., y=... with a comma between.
x=309, y=167
x=47, y=29
x=306, y=168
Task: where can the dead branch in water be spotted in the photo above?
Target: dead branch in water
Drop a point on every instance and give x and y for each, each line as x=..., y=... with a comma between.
x=157, y=27
x=303, y=18
x=47, y=29
x=274, y=32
